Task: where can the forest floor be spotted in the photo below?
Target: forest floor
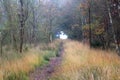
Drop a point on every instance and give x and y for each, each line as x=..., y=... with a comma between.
x=45, y=72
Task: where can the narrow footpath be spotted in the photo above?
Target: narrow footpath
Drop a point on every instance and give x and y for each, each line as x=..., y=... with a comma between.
x=45, y=72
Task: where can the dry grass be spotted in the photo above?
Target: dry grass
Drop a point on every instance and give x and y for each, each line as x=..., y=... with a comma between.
x=17, y=65
x=81, y=63
x=24, y=64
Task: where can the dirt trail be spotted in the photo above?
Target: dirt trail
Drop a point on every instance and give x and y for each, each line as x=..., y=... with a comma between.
x=45, y=72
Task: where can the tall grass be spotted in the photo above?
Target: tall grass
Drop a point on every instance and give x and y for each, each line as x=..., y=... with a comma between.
x=17, y=66
x=81, y=63
x=26, y=63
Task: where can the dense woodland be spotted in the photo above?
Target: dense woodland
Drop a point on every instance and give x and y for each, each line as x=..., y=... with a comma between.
x=26, y=22
x=30, y=48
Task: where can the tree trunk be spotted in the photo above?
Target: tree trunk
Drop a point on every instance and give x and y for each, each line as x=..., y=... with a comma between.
x=113, y=30
x=89, y=12
x=21, y=26
x=51, y=38
x=1, y=51
x=50, y=34
x=34, y=27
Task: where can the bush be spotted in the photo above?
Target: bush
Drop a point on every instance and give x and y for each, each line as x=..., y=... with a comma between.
x=49, y=54
x=97, y=43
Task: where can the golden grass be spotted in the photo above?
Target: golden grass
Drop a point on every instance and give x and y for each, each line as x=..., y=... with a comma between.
x=27, y=60
x=24, y=64
x=81, y=63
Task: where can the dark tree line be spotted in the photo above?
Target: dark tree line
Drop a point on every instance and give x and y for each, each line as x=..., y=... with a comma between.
x=95, y=22
x=29, y=22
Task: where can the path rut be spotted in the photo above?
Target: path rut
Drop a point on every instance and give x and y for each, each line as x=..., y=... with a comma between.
x=45, y=72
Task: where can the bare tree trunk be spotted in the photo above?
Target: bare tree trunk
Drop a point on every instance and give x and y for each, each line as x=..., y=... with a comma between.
x=34, y=27
x=21, y=26
x=50, y=34
x=113, y=30
x=1, y=44
x=1, y=50
x=89, y=12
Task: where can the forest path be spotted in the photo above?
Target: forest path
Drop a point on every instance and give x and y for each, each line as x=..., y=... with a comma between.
x=45, y=72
